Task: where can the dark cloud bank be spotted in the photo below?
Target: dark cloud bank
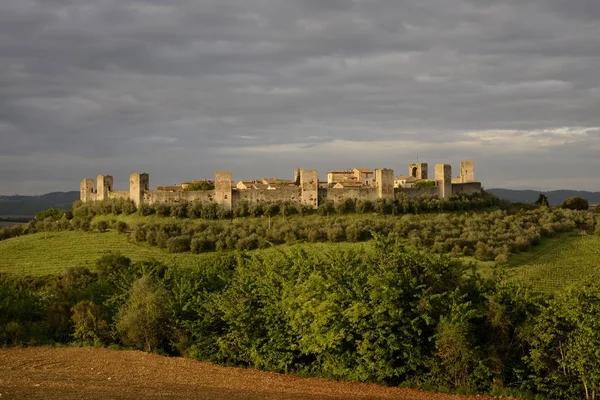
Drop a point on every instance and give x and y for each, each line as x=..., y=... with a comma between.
x=260, y=86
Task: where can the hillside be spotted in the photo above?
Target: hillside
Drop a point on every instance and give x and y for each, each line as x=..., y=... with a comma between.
x=555, y=197
x=18, y=205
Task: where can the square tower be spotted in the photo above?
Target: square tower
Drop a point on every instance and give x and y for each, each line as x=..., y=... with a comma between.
x=418, y=170
x=138, y=184
x=309, y=184
x=384, y=179
x=467, y=171
x=86, y=190
x=443, y=178
x=105, y=186
x=223, y=189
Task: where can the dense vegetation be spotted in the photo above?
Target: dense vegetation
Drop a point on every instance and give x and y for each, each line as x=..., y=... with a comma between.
x=398, y=311
x=390, y=315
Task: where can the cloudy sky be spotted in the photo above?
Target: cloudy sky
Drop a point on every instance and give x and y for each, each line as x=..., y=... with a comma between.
x=258, y=87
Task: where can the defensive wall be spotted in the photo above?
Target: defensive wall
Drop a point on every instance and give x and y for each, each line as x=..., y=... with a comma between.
x=307, y=193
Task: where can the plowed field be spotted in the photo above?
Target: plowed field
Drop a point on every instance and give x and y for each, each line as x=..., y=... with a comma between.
x=91, y=373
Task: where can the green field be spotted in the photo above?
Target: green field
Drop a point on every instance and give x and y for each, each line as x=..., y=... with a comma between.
x=558, y=262
x=50, y=252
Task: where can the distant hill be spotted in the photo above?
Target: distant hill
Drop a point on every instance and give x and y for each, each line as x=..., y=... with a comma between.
x=555, y=197
x=30, y=205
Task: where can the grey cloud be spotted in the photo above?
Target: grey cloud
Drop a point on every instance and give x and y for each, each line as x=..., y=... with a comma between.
x=177, y=88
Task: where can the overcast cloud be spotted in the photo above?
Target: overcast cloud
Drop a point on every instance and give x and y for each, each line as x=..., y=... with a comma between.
x=261, y=86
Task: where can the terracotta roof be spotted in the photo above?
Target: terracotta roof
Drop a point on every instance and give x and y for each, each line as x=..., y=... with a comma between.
x=341, y=171
x=364, y=170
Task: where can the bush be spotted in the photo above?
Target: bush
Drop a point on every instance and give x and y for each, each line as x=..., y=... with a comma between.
x=88, y=324
x=121, y=226
x=54, y=213
x=575, y=203
x=143, y=322
x=179, y=244
x=102, y=226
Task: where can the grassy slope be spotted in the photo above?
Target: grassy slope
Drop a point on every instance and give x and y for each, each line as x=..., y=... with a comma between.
x=555, y=263
x=49, y=253
x=558, y=262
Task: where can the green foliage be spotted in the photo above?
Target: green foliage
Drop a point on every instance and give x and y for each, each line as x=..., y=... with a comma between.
x=575, y=203
x=422, y=184
x=53, y=213
x=201, y=185
x=88, y=322
x=564, y=341
x=143, y=322
x=542, y=200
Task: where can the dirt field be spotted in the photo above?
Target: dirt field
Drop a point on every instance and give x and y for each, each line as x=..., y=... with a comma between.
x=89, y=373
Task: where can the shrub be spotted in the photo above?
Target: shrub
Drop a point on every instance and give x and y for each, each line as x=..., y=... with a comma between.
x=121, y=226
x=102, y=226
x=88, y=323
x=325, y=208
x=575, y=203
x=143, y=322
x=54, y=213
x=178, y=244
x=163, y=210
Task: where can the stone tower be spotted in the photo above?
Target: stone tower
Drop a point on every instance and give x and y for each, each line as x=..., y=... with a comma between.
x=86, y=190
x=384, y=179
x=309, y=184
x=467, y=171
x=223, y=192
x=418, y=170
x=297, y=174
x=105, y=186
x=443, y=178
x=138, y=184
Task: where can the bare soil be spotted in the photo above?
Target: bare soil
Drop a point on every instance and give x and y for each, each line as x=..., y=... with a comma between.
x=94, y=373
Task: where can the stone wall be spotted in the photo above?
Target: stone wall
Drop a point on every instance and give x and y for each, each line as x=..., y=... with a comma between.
x=284, y=193
x=466, y=188
x=339, y=195
x=411, y=193
x=159, y=196
x=122, y=194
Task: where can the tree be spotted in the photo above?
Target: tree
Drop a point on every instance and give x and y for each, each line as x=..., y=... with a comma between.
x=201, y=185
x=542, y=200
x=143, y=322
x=576, y=203
x=53, y=213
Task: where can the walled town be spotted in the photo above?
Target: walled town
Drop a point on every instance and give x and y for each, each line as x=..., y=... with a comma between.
x=305, y=188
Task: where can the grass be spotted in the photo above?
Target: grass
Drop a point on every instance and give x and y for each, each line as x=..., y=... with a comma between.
x=50, y=252
x=569, y=259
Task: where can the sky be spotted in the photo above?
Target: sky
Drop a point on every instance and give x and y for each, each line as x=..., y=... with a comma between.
x=182, y=88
